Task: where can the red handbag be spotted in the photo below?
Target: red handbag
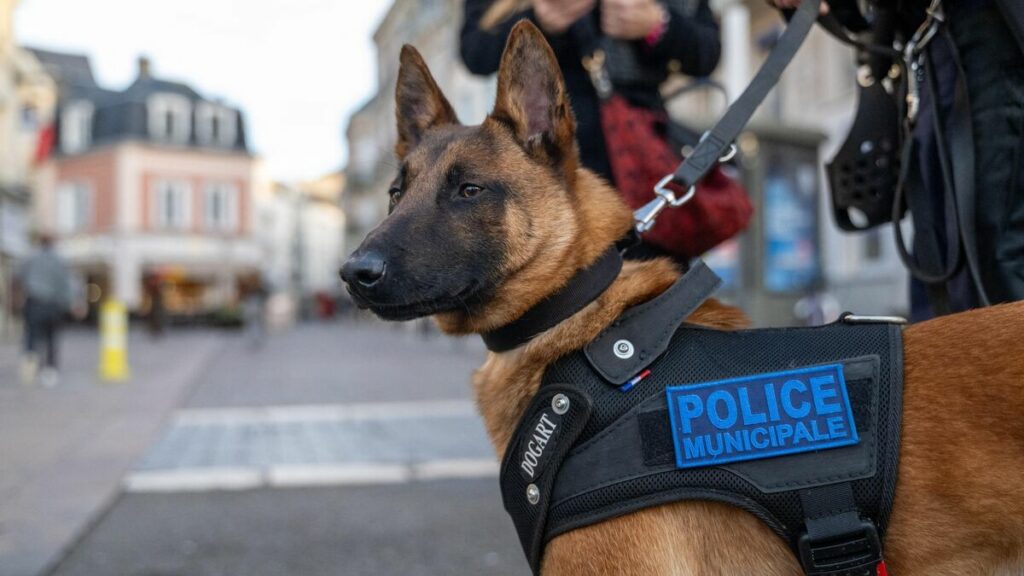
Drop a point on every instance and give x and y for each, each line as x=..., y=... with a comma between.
x=640, y=156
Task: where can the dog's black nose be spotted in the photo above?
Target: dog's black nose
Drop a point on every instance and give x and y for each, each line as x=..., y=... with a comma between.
x=364, y=269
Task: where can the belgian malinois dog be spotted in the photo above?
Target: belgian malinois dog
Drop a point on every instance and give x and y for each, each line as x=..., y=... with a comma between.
x=486, y=221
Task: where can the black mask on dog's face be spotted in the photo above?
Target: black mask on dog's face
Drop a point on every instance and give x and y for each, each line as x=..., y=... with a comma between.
x=465, y=207
x=440, y=247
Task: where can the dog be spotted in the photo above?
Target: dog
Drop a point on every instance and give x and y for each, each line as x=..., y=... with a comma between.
x=486, y=221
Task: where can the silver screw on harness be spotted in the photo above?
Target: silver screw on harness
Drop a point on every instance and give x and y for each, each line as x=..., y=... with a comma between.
x=560, y=404
x=623, y=349
x=533, y=493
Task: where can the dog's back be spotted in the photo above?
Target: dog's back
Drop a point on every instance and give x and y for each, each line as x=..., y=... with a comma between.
x=961, y=478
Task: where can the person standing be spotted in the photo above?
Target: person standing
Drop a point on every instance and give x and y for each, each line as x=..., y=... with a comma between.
x=984, y=41
x=643, y=40
x=45, y=282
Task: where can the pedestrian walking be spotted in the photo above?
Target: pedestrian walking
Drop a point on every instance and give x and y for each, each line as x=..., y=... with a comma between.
x=156, y=316
x=45, y=282
x=254, y=311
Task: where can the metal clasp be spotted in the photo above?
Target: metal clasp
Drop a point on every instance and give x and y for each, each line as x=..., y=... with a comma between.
x=861, y=319
x=664, y=198
x=912, y=55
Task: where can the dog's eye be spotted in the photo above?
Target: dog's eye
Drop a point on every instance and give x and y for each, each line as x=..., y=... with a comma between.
x=469, y=190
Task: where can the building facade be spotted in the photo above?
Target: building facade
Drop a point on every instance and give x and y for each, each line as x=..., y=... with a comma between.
x=150, y=186
x=302, y=230
x=27, y=100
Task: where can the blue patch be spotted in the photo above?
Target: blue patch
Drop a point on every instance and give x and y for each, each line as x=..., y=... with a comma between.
x=760, y=416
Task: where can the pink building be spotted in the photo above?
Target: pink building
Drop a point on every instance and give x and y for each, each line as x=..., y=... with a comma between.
x=151, y=181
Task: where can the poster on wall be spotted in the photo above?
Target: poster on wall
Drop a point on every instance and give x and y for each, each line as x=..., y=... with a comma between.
x=791, y=262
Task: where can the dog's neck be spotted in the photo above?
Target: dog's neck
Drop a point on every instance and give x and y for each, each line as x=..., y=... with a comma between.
x=582, y=289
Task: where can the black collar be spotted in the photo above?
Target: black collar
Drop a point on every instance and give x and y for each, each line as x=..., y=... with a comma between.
x=582, y=289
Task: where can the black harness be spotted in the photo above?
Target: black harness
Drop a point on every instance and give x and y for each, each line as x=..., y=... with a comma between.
x=798, y=426
x=598, y=440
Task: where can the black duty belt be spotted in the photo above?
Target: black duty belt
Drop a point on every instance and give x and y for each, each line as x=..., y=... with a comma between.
x=798, y=426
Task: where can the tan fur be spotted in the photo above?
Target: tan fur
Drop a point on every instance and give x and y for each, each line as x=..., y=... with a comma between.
x=959, y=507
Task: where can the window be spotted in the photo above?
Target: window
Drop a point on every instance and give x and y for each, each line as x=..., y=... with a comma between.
x=76, y=127
x=170, y=205
x=170, y=118
x=215, y=125
x=221, y=212
x=74, y=207
x=29, y=118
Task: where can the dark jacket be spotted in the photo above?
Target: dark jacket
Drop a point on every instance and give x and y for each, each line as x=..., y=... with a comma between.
x=691, y=39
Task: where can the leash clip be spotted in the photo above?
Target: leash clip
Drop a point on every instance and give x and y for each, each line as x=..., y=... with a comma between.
x=913, y=54
x=664, y=198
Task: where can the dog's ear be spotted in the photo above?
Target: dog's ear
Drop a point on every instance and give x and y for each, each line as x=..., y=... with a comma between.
x=532, y=101
x=419, y=103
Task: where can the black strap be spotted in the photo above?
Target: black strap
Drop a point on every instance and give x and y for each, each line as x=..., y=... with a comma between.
x=582, y=289
x=956, y=165
x=648, y=327
x=928, y=259
x=961, y=150
x=837, y=541
x=833, y=27
x=716, y=143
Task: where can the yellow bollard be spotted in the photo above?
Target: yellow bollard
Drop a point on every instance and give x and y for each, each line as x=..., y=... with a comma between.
x=113, y=342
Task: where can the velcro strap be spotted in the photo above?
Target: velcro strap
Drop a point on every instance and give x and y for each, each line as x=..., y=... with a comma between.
x=548, y=429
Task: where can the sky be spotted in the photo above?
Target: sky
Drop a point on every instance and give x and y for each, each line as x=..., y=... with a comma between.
x=297, y=68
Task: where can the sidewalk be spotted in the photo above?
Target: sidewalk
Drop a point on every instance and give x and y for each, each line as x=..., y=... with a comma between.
x=335, y=448
x=64, y=451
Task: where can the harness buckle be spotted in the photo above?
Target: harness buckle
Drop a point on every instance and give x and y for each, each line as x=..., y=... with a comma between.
x=858, y=553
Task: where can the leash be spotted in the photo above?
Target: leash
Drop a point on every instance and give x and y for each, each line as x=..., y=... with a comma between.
x=956, y=166
x=717, y=145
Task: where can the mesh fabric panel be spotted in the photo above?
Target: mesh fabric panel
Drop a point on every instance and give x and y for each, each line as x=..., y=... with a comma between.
x=701, y=355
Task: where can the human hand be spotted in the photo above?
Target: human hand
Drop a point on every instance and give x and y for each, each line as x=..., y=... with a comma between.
x=794, y=4
x=631, y=19
x=555, y=16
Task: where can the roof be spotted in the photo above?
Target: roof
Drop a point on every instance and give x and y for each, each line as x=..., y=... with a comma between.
x=120, y=115
x=144, y=86
x=65, y=68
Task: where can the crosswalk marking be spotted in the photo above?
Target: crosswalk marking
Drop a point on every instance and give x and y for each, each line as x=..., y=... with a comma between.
x=325, y=412
x=332, y=445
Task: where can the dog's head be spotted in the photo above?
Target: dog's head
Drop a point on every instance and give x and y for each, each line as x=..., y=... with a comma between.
x=484, y=221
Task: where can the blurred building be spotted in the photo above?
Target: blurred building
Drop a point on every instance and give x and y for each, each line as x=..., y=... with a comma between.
x=153, y=181
x=793, y=251
x=302, y=230
x=27, y=100
x=433, y=27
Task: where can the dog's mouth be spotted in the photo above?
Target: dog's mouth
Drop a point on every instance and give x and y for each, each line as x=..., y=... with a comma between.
x=467, y=299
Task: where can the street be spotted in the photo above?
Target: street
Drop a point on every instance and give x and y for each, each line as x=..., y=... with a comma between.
x=329, y=449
